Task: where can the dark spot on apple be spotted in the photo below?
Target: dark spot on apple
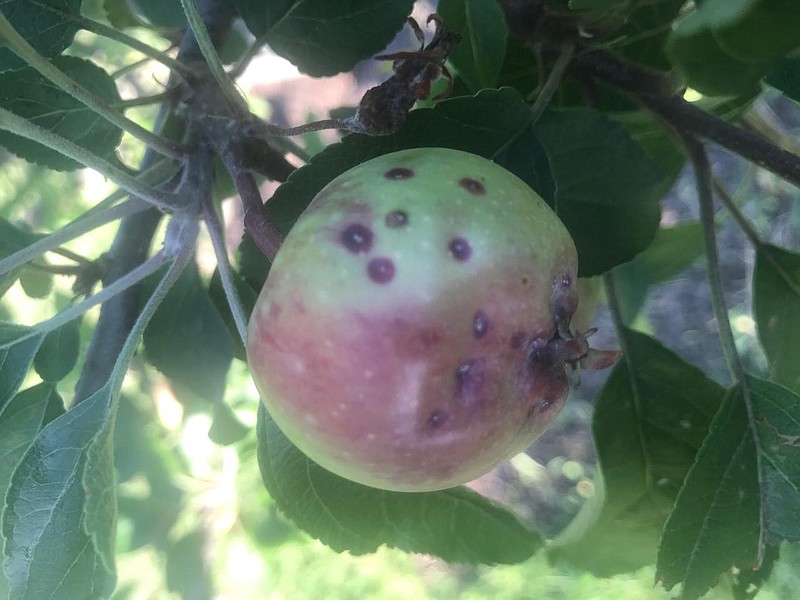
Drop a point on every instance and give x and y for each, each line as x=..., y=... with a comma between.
x=397, y=218
x=524, y=281
x=380, y=270
x=357, y=238
x=438, y=418
x=480, y=324
x=460, y=249
x=399, y=173
x=473, y=186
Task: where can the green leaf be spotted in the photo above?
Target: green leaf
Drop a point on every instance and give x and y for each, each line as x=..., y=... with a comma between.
x=186, y=568
x=226, y=428
x=39, y=22
x=777, y=417
x=188, y=341
x=120, y=15
x=479, y=57
x=28, y=94
x=776, y=308
x=743, y=490
x=12, y=239
x=649, y=421
x=754, y=31
x=457, y=524
x=15, y=358
x=606, y=186
x=59, y=352
x=20, y=422
x=162, y=13
x=673, y=250
x=35, y=283
x=645, y=32
x=785, y=76
x=323, y=38
x=704, y=65
x=715, y=523
x=58, y=522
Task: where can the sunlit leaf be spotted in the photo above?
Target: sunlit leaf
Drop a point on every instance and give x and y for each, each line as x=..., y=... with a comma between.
x=457, y=524
x=28, y=94
x=57, y=538
x=20, y=421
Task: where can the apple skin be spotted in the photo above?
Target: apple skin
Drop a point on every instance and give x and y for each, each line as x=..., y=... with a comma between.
x=411, y=334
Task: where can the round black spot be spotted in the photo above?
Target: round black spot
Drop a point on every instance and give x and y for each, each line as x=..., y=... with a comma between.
x=473, y=186
x=380, y=270
x=357, y=238
x=460, y=249
x=438, y=418
x=397, y=218
x=480, y=324
x=399, y=173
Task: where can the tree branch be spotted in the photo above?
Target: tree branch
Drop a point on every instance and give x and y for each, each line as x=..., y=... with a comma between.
x=654, y=91
x=132, y=243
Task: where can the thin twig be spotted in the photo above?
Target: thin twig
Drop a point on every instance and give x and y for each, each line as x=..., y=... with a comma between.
x=74, y=230
x=752, y=235
x=206, y=45
x=217, y=235
x=25, y=128
x=111, y=33
x=704, y=180
x=76, y=310
x=545, y=96
x=251, y=53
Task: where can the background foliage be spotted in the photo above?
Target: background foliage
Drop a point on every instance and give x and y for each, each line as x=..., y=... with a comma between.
x=119, y=457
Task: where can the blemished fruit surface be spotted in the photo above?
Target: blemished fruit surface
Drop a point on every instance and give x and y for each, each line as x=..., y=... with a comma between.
x=413, y=332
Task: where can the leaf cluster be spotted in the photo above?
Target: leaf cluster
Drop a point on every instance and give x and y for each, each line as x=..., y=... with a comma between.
x=587, y=101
